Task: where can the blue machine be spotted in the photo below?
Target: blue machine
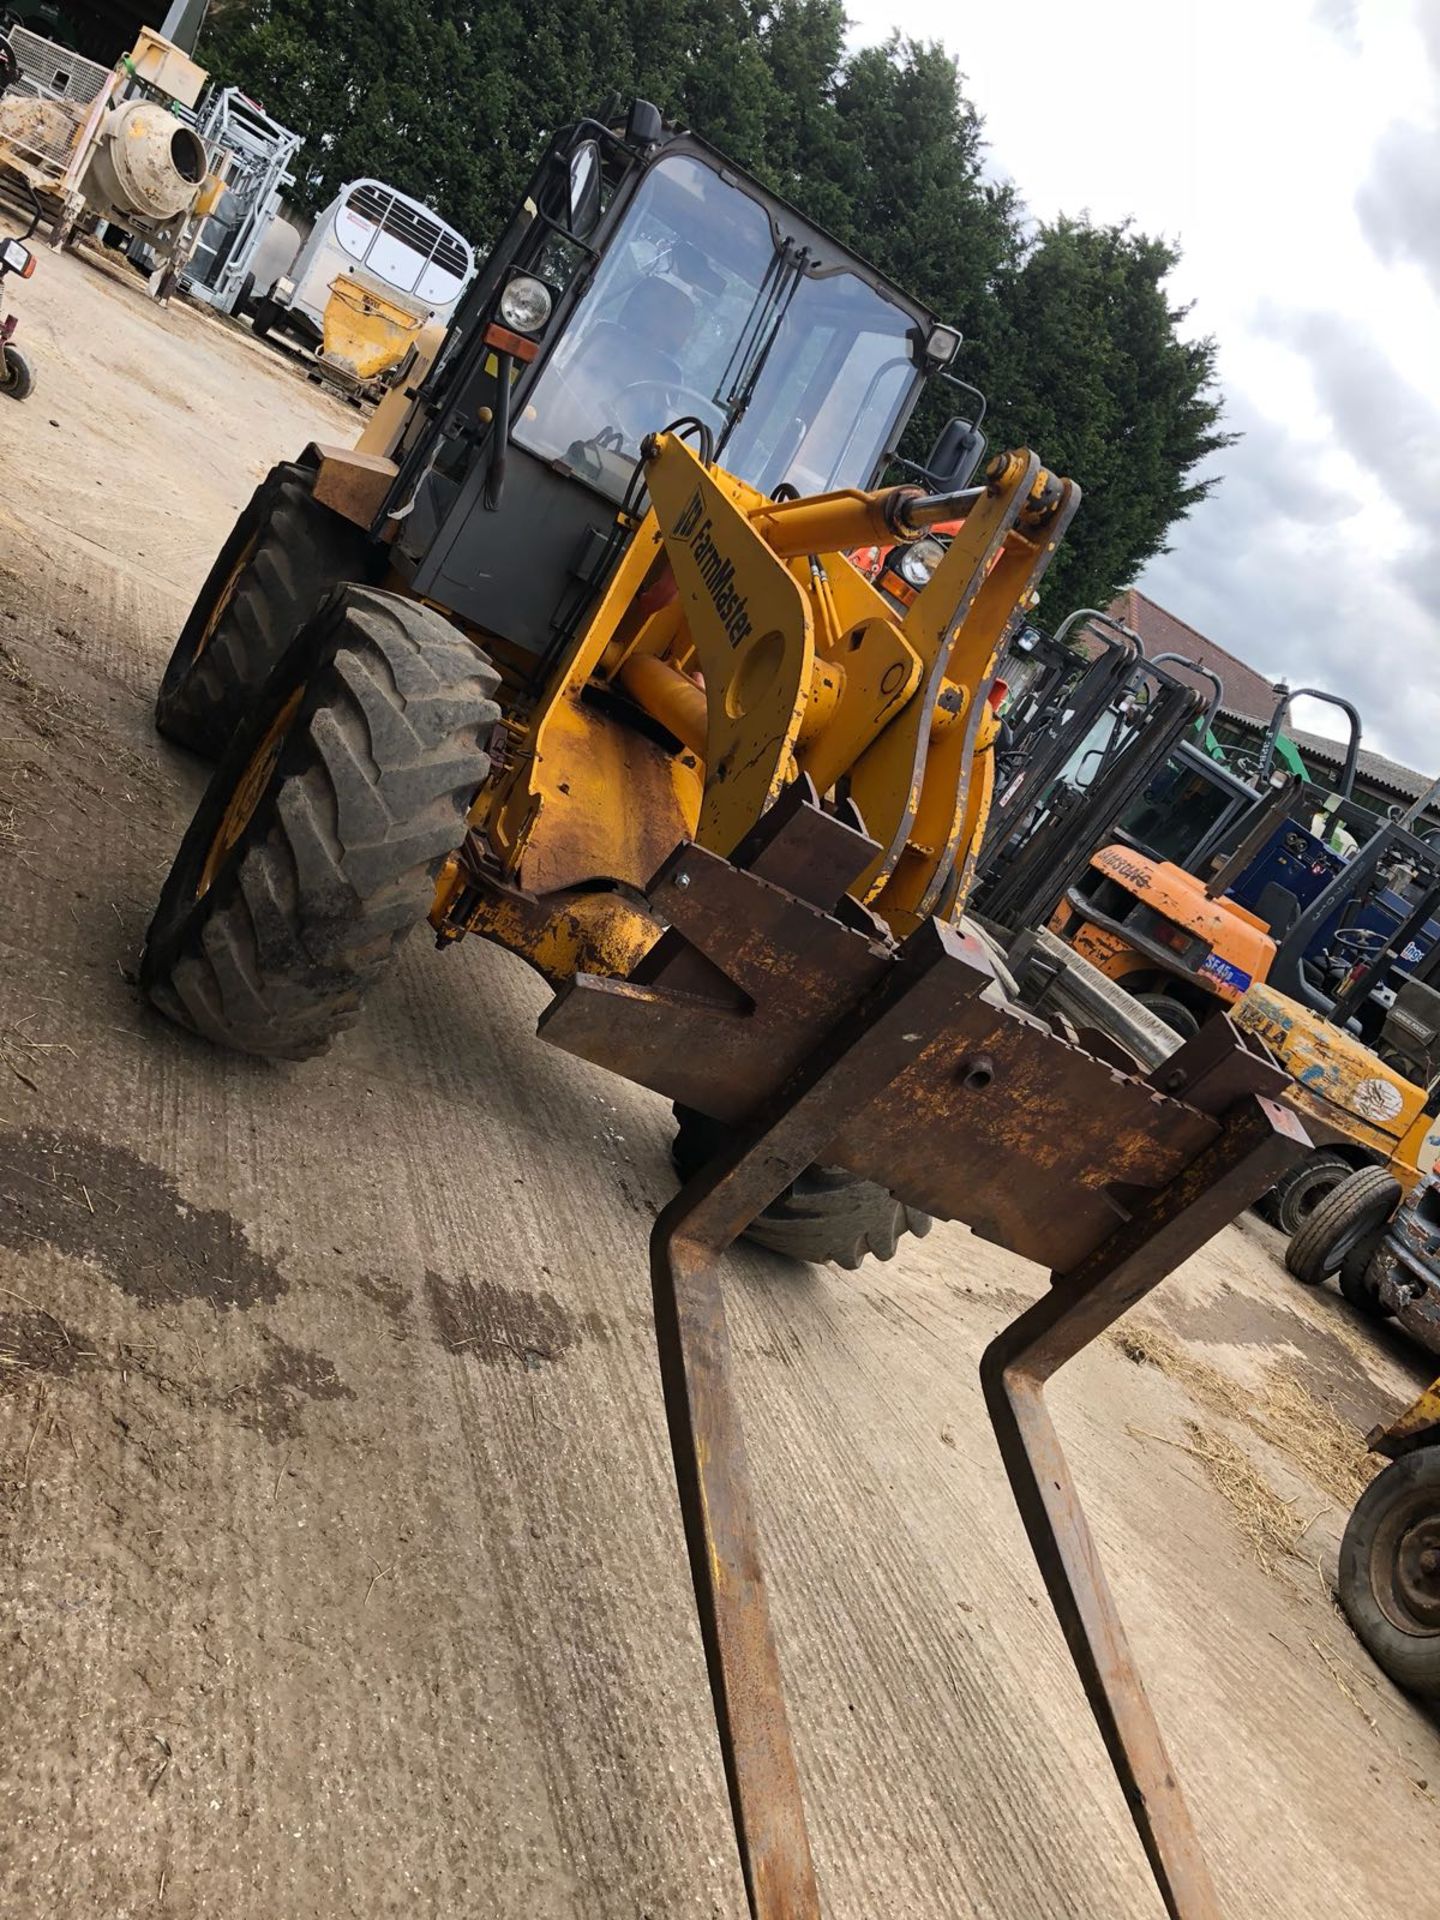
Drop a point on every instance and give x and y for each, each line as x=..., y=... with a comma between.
x=1299, y=861
x=1292, y=858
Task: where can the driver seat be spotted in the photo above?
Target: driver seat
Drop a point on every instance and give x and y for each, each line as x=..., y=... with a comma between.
x=1412, y=1028
x=640, y=343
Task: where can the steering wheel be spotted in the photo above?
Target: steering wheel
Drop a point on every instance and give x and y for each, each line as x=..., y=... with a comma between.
x=1359, y=940
x=675, y=400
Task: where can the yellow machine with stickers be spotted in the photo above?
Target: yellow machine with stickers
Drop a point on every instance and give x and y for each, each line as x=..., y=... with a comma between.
x=1358, y=1109
x=1352, y=1012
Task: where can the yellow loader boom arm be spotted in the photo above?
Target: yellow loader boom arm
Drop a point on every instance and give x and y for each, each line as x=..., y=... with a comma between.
x=736, y=623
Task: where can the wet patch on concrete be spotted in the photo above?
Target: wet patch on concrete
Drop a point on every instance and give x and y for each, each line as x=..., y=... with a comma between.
x=32, y=1342
x=274, y=1403
x=390, y=1295
x=1236, y=1319
x=96, y=1201
x=500, y=1325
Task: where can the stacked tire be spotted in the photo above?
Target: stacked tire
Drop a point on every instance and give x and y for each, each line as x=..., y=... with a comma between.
x=1342, y=1227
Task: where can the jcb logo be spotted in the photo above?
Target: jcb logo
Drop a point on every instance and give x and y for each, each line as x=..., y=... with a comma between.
x=690, y=519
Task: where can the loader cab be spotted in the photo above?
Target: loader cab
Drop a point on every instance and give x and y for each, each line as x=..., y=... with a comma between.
x=646, y=283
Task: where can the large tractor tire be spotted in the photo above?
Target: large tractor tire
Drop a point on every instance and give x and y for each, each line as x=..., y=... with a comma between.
x=317, y=844
x=825, y=1215
x=1295, y=1196
x=1348, y=1214
x=284, y=555
x=1390, y=1571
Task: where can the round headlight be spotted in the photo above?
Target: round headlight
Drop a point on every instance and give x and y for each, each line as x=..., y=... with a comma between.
x=916, y=563
x=525, y=304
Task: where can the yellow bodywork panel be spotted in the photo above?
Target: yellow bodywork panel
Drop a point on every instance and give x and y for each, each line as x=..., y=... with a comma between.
x=749, y=627
x=538, y=778
x=1418, y=1426
x=364, y=332
x=877, y=669
x=562, y=934
x=1338, y=1080
x=613, y=802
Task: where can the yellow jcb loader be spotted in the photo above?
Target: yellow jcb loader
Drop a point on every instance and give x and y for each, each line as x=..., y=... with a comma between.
x=567, y=654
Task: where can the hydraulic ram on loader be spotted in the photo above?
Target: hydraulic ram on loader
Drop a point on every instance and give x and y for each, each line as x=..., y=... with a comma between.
x=931, y=1082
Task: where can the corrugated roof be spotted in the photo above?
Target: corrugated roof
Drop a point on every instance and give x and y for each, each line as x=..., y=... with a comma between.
x=1403, y=782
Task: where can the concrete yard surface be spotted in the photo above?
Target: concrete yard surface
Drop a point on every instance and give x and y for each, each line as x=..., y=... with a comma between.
x=342, y=1575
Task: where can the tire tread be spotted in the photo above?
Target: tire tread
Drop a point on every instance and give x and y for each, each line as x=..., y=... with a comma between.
x=1317, y=1249
x=338, y=868
x=303, y=552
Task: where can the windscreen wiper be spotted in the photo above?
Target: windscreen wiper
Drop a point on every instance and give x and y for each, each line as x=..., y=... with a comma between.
x=742, y=372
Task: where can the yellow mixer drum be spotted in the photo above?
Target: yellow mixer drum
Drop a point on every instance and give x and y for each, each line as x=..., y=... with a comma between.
x=365, y=334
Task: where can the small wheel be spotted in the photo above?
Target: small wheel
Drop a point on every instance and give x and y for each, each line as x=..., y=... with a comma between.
x=1176, y=1015
x=1357, y=1282
x=263, y=315
x=1295, y=1196
x=316, y=846
x=244, y=298
x=1348, y=1214
x=284, y=554
x=825, y=1215
x=16, y=379
x=1390, y=1571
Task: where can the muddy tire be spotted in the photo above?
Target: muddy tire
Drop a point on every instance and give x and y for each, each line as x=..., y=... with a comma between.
x=1355, y=1282
x=825, y=1215
x=1348, y=1214
x=1390, y=1598
x=1295, y=1196
x=316, y=847
x=283, y=556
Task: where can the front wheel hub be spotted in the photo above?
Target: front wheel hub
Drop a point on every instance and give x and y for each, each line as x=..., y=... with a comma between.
x=1417, y=1572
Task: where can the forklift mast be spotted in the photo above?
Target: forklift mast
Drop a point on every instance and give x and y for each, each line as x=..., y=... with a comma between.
x=1135, y=715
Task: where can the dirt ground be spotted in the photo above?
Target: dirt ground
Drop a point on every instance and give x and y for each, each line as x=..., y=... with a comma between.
x=341, y=1573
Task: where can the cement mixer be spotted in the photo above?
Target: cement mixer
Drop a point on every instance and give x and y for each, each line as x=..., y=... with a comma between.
x=147, y=173
x=118, y=152
x=145, y=165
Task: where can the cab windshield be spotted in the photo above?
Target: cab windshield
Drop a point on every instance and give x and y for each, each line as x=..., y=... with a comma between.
x=1178, y=809
x=697, y=309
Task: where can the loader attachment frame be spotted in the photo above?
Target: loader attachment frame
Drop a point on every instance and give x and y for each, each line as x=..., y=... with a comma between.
x=1118, y=1179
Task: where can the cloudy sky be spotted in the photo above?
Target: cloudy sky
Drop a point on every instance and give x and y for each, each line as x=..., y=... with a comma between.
x=1292, y=149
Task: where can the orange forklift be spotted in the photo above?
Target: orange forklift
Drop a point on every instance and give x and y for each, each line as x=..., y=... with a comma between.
x=1185, y=907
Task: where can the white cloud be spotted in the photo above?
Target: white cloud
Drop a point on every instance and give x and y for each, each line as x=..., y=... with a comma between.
x=1290, y=148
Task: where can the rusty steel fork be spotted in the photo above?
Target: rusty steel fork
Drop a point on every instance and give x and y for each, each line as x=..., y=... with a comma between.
x=776, y=1006
x=1257, y=1140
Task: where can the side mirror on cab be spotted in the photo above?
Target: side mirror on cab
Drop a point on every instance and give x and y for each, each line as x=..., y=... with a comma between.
x=584, y=207
x=958, y=451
